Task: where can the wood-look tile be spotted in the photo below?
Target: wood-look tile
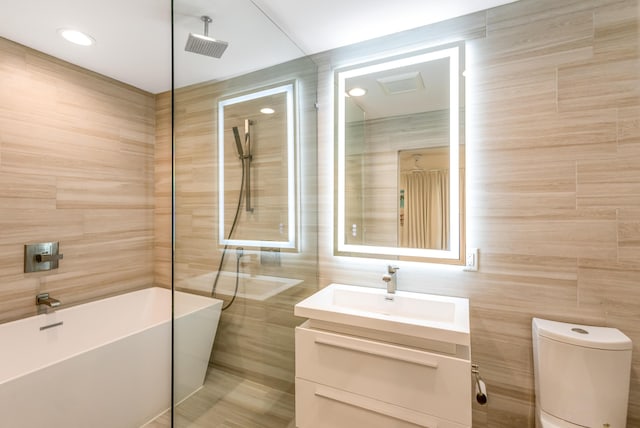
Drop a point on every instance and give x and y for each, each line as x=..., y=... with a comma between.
x=542, y=34
x=609, y=182
x=502, y=99
x=582, y=86
x=629, y=235
x=629, y=132
x=614, y=288
x=520, y=204
x=17, y=294
x=530, y=238
x=552, y=144
x=520, y=295
x=567, y=136
x=27, y=226
x=76, y=164
x=539, y=266
x=508, y=412
x=583, y=235
x=228, y=400
x=103, y=194
x=254, y=339
x=163, y=179
x=616, y=30
x=521, y=177
x=468, y=27
x=520, y=13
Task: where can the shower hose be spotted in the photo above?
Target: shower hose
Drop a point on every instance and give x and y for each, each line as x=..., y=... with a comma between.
x=239, y=250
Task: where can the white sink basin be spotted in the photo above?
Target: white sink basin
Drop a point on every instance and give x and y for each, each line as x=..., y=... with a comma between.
x=426, y=316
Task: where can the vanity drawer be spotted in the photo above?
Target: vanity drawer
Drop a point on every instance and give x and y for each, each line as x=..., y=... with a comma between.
x=414, y=379
x=320, y=406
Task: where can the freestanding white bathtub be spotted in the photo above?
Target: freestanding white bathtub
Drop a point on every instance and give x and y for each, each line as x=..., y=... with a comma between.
x=106, y=363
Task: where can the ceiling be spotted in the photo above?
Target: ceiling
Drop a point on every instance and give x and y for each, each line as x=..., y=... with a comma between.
x=132, y=37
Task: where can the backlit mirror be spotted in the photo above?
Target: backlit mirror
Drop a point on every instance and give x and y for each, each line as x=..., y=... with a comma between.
x=257, y=168
x=400, y=158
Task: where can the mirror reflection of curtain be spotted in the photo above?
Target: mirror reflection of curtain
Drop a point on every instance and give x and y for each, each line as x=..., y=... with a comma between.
x=426, y=209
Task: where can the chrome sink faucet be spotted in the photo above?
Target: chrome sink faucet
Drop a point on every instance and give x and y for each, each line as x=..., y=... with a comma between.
x=391, y=279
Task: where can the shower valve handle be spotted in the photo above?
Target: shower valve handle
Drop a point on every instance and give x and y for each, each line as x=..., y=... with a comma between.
x=41, y=258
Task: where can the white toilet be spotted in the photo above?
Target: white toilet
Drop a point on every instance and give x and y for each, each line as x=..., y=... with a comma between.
x=582, y=375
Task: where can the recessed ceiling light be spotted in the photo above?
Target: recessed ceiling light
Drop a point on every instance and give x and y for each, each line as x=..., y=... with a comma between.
x=267, y=110
x=357, y=92
x=77, y=37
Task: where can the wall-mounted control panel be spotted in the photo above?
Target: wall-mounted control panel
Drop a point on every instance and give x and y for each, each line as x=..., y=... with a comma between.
x=41, y=256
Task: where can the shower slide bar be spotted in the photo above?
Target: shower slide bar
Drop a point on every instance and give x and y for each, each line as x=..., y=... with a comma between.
x=245, y=156
x=248, y=158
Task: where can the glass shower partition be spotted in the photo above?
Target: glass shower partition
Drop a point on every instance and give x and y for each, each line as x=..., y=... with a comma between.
x=244, y=214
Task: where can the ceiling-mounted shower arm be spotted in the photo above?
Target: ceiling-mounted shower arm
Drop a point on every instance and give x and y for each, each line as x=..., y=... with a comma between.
x=206, y=21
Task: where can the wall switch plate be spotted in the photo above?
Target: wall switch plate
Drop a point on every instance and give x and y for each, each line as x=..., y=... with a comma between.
x=471, y=264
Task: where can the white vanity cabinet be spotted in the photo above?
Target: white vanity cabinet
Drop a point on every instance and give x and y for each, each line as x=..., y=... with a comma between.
x=343, y=380
x=366, y=358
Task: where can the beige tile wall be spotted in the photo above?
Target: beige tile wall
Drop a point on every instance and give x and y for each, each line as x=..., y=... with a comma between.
x=76, y=166
x=162, y=193
x=196, y=175
x=553, y=164
x=553, y=176
x=254, y=339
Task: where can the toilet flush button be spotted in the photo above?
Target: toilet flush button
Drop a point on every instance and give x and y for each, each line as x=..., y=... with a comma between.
x=580, y=330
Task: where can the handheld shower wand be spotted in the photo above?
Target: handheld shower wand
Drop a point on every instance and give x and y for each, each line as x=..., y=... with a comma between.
x=236, y=136
x=244, y=154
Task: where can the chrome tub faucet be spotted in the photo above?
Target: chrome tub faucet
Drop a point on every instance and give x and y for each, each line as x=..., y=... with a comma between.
x=44, y=299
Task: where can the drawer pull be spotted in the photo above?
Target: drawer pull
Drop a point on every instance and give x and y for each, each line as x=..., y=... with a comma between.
x=380, y=408
x=385, y=353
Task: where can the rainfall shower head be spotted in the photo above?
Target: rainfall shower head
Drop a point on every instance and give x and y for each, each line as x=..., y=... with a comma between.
x=205, y=45
x=236, y=135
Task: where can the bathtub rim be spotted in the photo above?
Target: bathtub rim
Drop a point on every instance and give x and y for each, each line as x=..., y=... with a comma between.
x=215, y=303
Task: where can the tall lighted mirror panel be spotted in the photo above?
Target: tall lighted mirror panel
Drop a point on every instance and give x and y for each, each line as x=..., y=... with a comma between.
x=400, y=157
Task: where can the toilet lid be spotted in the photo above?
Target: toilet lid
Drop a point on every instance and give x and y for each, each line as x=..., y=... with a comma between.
x=584, y=335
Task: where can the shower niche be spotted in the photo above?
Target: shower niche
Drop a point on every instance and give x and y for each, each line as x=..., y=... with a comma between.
x=257, y=168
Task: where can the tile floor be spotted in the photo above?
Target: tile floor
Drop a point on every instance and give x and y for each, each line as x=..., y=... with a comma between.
x=229, y=401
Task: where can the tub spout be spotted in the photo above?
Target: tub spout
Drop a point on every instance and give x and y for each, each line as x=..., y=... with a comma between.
x=44, y=299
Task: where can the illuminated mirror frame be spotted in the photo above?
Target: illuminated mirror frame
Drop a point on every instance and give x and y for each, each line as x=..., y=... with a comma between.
x=452, y=255
x=292, y=210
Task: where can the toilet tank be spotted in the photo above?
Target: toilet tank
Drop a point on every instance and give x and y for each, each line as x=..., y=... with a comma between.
x=582, y=373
